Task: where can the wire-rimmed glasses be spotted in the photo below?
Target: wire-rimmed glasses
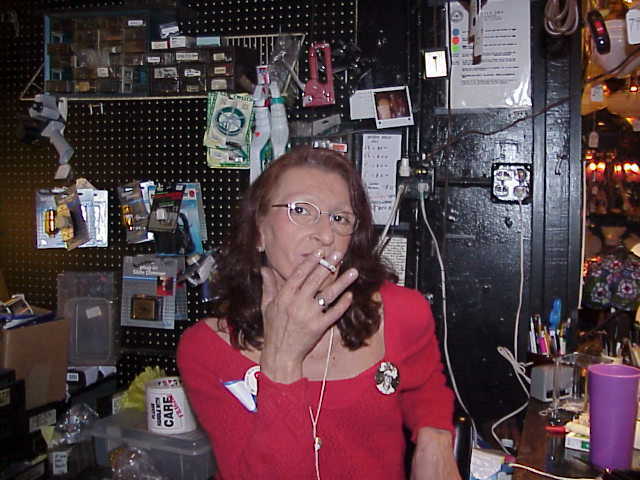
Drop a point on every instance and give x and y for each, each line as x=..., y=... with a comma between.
x=306, y=213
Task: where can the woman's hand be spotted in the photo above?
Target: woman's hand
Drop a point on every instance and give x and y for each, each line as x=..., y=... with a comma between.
x=433, y=458
x=294, y=319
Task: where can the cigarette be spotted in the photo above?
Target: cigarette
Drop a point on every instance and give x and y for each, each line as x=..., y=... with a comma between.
x=328, y=266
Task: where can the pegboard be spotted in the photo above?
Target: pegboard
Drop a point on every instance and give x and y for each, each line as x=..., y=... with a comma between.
x=122, y=140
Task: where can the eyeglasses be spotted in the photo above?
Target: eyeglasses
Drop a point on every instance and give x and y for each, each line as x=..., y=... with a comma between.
x=306, y=213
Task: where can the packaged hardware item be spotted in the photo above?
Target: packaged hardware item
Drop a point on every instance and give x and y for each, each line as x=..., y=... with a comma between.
x=134, y=213
x=165, y=208
x=149, y=291
x=228, y=131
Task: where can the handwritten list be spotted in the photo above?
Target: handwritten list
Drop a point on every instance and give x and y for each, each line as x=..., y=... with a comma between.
x=380, y=154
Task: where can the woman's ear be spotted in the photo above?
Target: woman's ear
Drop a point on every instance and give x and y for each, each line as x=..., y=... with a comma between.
x=260, y=243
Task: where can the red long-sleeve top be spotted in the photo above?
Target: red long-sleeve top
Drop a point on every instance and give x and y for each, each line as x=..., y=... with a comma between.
x=360, y=427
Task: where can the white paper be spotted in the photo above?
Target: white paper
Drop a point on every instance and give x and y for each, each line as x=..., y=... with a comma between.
x=361, y=105
x=633, y=26
x=395, y=252
x=502, y=79
x=380, y=154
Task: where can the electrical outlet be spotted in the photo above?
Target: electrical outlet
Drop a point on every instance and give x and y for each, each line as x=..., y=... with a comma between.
x=511, y=182
x=420, y=176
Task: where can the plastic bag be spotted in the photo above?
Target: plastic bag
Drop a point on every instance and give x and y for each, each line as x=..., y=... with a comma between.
x=129, y=463
x=75, y=424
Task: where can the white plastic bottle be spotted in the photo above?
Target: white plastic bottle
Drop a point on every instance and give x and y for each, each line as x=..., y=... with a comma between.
x=261, y=151
x=279, y=125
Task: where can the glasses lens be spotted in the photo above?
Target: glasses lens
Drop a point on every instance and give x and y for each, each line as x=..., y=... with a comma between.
x=303, y=213
x=344, y=223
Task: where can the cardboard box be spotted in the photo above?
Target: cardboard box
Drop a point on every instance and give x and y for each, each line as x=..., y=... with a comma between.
x=38, y=354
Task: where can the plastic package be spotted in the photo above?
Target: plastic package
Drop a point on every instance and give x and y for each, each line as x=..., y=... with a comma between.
x=75, y=424
x=89, y=300
x=285, y=52
x=130, y=463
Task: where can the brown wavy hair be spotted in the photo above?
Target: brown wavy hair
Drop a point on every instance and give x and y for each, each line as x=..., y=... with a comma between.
x=238, y=285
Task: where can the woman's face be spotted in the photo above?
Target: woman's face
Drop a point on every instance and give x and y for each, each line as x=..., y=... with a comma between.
x=286, y=244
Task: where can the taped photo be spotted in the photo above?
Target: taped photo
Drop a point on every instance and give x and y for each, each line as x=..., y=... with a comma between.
x=392, y=107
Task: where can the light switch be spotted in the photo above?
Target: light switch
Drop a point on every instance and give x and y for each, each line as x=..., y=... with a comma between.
x=435, y=63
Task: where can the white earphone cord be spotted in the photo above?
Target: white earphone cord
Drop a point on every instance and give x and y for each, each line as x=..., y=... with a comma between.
x=314, y=419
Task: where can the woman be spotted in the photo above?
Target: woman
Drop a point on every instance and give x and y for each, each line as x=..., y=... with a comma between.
x=345, y=357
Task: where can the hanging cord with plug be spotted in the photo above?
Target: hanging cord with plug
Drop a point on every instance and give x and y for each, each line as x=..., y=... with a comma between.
x=518, y=367
x=422, y=188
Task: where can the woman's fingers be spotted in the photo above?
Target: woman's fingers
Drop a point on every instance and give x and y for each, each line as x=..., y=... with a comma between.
x=318, y=275
x=269, y=289
x=333, y=314
x=300, y=274
x=333, y=291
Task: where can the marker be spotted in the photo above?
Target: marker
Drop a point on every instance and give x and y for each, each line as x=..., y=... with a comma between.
x=328, y=266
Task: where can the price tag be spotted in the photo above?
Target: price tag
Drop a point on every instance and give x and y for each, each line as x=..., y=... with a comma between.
x=59, y=463
x=597, y=93
x=633, y=26
x=5, y=397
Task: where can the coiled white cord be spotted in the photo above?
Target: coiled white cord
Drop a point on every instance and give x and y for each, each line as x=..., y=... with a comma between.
x=561, y=17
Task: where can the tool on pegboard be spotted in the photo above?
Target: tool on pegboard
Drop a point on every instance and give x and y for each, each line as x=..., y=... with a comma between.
x=316, y=93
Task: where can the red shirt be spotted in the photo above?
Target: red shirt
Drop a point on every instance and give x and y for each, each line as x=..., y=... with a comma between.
x=360, y=427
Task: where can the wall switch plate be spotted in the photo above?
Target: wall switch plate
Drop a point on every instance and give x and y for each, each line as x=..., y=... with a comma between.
x=435, y=63
x=511, y=182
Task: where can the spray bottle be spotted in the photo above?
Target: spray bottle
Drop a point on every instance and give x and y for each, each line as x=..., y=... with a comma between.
x=279, y=125
x=261, y=152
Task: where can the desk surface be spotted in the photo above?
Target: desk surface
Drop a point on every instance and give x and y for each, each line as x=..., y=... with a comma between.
x=545, y=451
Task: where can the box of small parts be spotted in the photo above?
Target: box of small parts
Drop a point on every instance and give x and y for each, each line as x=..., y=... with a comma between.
x=232, y=66
x=186, y=456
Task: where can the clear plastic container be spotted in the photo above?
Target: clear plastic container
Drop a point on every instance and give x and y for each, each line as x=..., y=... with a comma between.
x=186, y=456
x=94, y=333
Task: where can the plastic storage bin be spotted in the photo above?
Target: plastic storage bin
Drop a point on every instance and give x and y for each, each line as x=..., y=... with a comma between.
x=187, y=456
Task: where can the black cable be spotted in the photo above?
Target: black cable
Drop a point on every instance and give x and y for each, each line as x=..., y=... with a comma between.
x=464, y=133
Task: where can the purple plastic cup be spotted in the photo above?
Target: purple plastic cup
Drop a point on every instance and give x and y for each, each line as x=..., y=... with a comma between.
x=613, y=406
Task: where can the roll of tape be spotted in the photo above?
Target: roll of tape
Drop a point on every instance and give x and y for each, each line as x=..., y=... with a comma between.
x=168, y=410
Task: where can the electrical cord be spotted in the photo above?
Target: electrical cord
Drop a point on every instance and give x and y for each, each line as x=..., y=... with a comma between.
x=545, y=474
x=518, y=367
x=453, y=140
x=561, y=19
x=394, y=209
x=443, y=279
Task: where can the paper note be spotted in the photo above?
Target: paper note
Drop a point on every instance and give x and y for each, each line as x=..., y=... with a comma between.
x=380, y=154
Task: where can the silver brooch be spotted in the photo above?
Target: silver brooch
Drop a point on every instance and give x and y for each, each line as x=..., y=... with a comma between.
x=387, y=378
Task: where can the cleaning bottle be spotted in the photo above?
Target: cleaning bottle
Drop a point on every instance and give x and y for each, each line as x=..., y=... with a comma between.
x=279, y=125
x=261, y=152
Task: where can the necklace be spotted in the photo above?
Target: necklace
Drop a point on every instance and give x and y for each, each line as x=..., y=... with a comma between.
x=317, y=442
